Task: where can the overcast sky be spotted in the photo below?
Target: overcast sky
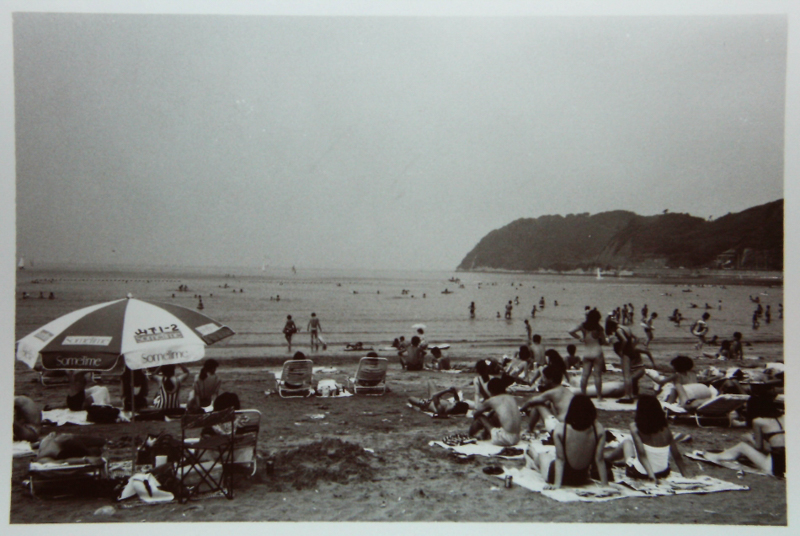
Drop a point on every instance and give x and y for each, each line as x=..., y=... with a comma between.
x=378, y=142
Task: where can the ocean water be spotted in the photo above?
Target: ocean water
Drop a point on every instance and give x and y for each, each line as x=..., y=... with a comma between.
x=370, y=306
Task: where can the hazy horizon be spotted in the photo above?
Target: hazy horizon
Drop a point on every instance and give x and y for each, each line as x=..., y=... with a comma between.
x=379, y=142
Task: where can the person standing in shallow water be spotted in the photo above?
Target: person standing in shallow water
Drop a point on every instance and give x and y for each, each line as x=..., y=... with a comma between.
x=289, y=329
x=314, y=329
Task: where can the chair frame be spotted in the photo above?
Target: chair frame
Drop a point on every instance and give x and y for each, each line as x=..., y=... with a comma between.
x=305, y=379
x=698, y=414
x=62, y=473
x=193, y=451
x=374, y=390
x=247, y=435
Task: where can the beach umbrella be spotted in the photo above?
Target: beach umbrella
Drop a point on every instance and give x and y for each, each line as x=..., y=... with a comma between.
x=145, y=334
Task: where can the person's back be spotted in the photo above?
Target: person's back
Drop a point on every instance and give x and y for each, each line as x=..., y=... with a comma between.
x=578, y=445
x=537, y=349
x=507, y=412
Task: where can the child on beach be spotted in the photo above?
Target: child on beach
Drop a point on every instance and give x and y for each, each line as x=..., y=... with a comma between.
x=700, y=330
x=649, y=329
x=647, y=453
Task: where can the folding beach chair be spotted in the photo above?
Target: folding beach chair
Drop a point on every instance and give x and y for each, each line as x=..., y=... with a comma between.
x=203, y=461
x=61, y=478
x=295, y=379
x=370, y=376
x=245, y=441
x=49, y=378
x=718, y=408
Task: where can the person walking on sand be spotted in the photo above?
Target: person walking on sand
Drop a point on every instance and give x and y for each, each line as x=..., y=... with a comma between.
x=649, y=329
x=289, y=329
x=700, y=330
x=314, y=329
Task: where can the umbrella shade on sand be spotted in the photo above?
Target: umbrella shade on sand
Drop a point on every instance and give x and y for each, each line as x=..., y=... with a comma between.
x=146, y=334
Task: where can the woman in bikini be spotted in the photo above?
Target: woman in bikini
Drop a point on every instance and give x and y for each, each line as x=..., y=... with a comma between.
x=768, y=451
x=590, y=333
x=647, y=453
x=579, y=443
x=206, y=387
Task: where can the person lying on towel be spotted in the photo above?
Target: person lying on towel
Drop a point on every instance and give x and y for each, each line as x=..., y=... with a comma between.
x=647, y=453
x=70, y=448
x=579, y=441
x=443, y=403
x=497, y=418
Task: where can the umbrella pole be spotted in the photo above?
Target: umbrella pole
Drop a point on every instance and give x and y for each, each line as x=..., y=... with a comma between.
x=133, y=419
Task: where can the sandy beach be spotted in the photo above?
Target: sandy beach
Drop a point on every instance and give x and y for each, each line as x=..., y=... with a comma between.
x=365, y=458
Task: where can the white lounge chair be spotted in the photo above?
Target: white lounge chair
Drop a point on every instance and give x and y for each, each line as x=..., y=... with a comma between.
x=370, y=376
x=295, y=380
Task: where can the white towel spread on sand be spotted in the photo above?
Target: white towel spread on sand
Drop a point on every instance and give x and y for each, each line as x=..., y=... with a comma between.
x=608, y=404
x=64, y=416
x=622, y=488
x=22, y=449
x=481, y=448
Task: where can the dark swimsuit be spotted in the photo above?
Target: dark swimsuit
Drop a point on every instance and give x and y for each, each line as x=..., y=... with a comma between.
x=778, y=454
x=571, y=476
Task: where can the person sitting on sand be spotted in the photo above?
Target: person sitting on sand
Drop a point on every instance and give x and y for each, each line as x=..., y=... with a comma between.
x=736, y=346
x=647, y=452
x=497, y=418
x=80, y=397
x=768, y=449
x=687, y=391
x=437, y=361
x=415, y=359
x=522, y=365
x=27, y=419
x=141, y=386
x=443, y=403
x=205, y=388
x=552, y=405
x=579, y=441
x=573, y=360
x=170, y=386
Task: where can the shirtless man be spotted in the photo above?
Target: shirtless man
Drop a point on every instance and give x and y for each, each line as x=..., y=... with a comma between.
x=497, y=418
x=552, y=405
x=314, y=329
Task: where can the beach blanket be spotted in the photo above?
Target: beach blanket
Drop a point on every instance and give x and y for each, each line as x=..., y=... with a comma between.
x=22, y=449
x=483, y=448
x=608, y=404
x=699, y=456
x=62, y=416
x=622, y=488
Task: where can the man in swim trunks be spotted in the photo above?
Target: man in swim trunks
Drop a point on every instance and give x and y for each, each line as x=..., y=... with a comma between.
x=552, y=405
x=415, y=359
x=315, y=328
x=497, y=418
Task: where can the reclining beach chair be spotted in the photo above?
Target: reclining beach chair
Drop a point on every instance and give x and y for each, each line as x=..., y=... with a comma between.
x=203, y=461
x=370, y=376
x=718, y=408
x=61, y=478
x=245, y=441
x=295, y=380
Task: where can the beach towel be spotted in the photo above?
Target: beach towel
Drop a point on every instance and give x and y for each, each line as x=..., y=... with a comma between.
x=612, y=405
x=22, y=449
x=700, y=456
x=484, y=448
x=62, y=416
x=623, y=487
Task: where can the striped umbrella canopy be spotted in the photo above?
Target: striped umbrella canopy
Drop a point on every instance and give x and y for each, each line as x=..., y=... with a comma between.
x=146, y=334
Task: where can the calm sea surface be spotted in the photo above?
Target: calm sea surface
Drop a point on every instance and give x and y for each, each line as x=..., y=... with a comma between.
x=372, y=308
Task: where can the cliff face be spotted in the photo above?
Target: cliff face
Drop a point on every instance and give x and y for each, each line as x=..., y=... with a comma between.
x=751, y=239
